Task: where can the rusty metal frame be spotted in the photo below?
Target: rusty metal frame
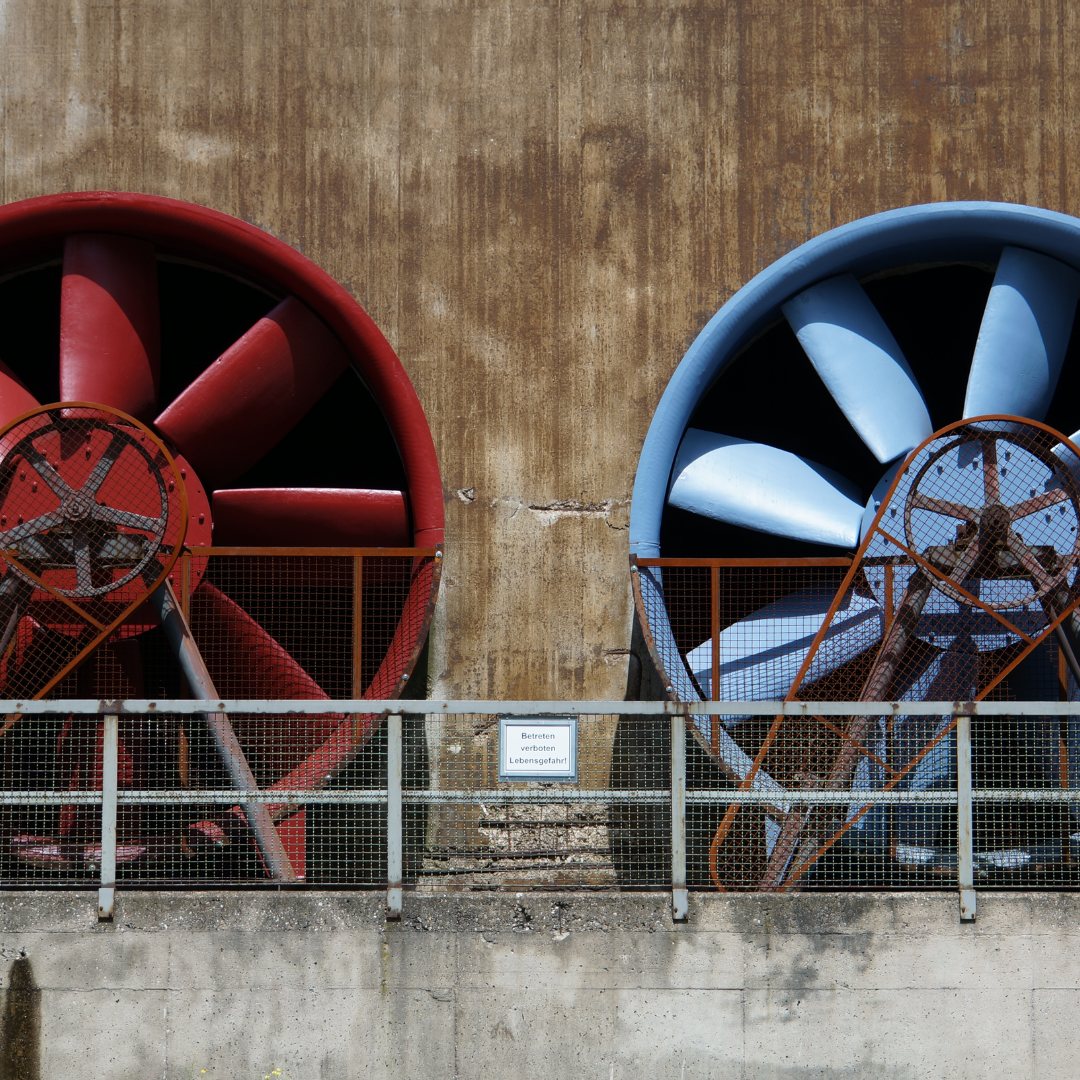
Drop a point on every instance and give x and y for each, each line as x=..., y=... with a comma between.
x=852, y=565
x=722, y=562
x=875, y=528
x=385, y=552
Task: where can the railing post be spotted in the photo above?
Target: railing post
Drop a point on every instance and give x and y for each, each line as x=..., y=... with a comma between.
x=679, y=899
x=714, y=634
x=358, y=641
x=109, y=759
x=965, y=854
x=394, y=872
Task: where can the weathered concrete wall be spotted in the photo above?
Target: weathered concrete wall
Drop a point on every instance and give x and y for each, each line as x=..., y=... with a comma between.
x=541, y=204
x=542, y=986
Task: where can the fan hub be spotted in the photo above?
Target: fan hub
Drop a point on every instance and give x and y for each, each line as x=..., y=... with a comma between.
x=94, y=499
x=994, y=522
x=78, y=506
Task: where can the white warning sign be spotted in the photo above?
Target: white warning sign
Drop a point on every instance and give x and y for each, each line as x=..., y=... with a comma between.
x=538, y=749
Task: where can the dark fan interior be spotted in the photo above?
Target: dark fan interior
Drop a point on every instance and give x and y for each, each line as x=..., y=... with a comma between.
x=770, y=393
x=344, y=441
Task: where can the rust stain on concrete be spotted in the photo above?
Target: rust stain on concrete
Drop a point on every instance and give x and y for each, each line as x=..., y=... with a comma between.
x=541, y=206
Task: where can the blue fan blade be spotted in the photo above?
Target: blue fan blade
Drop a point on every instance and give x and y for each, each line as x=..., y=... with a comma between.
x=760, y=487
x=761, y=654
x=733, y=757
x=861, y=365
x=1023, y=337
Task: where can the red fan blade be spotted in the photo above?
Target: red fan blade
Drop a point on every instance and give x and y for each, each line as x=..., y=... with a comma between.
x=254, y=393
x=246, y=662
x=15, y=399
x=293, y=833
x=301, y=517
x=110, y=345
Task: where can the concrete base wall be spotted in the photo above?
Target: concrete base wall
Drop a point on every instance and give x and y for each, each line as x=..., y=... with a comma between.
x=541, y=986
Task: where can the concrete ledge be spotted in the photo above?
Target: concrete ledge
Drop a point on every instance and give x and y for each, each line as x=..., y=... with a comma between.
x=539, y=985
x=468, y=911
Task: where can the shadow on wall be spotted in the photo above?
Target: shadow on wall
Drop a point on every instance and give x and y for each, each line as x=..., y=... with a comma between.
x=20, y=1025
x=640, y=834
x=641, y=758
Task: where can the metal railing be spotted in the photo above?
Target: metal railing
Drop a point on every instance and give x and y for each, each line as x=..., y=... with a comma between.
x=671, y=796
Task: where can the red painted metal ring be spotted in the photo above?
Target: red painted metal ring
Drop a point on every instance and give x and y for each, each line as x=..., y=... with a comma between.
x=34, y=230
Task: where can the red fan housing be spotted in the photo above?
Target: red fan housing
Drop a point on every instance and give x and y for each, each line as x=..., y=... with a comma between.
x=220, y=426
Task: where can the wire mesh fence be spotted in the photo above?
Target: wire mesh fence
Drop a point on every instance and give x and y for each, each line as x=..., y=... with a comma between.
x=268, y=624
x=643, y=810
x=473, y=828
x=964, y=587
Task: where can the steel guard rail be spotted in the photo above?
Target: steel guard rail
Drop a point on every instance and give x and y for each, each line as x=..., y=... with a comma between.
x=420, y=707
x=394, y=795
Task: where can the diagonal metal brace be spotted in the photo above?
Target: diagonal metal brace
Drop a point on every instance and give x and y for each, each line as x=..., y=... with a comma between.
x=228, y=745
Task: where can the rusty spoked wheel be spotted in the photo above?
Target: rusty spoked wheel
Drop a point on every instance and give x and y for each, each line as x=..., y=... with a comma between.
x=994, y=479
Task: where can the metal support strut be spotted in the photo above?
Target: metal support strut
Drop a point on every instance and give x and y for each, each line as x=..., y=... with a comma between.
x=394, y=864
x=109, y=764
x=679, y=899
x=965, y=856
x=228, y=745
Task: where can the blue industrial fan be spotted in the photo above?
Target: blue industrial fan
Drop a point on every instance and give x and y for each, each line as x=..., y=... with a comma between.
x=761, y=489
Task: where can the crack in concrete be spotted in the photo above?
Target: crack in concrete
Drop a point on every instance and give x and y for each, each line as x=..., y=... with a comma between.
x=615, y=513
x=574, y=506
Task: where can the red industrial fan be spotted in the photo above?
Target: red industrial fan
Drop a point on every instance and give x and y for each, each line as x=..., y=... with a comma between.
x=83, y=553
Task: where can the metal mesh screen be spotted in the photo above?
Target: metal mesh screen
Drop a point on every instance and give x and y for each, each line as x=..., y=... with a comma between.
x=1026, y=831
x=463, y=825
x=56, y=840
x=766, y=618
x=964, y=588
x=269, y=626
x=610, y=827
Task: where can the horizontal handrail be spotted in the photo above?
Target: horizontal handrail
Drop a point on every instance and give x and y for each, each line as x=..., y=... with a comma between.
x=770, y=796
x=416, y=707
x=568, y=794
x=319, y=552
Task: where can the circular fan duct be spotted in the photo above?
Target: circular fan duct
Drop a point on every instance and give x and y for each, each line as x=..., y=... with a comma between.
x=245, y=382
x=773, y=452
